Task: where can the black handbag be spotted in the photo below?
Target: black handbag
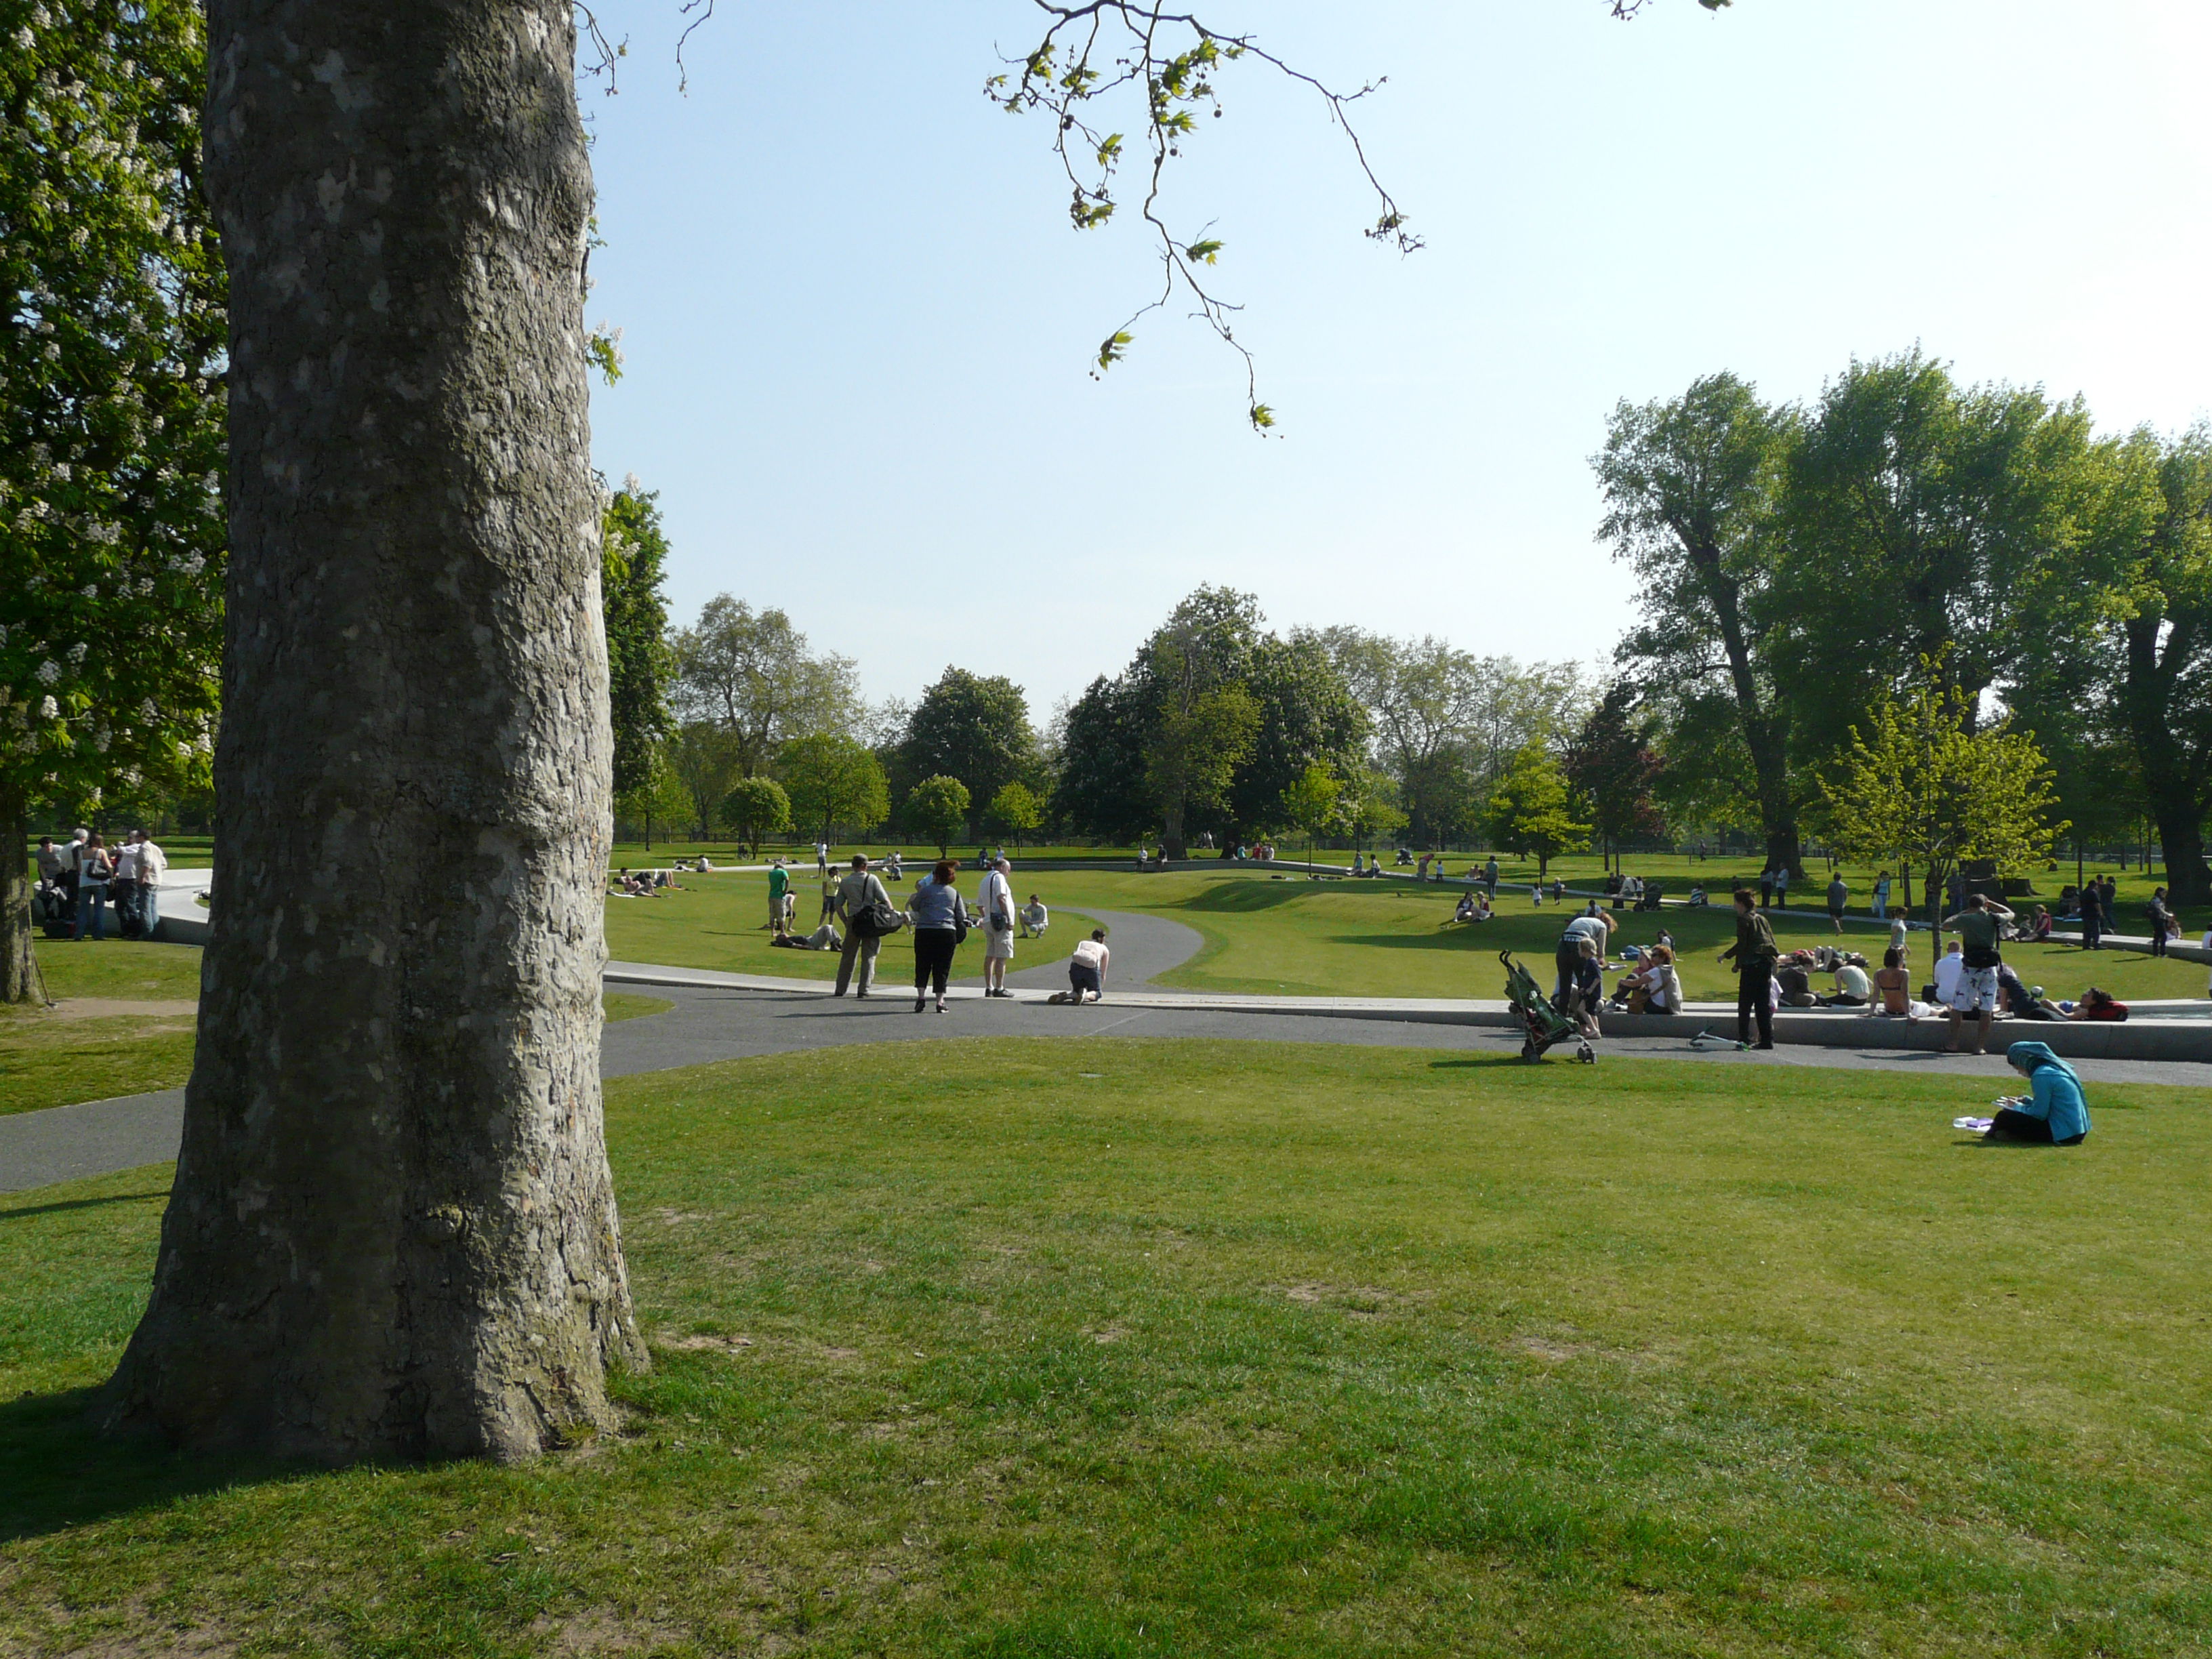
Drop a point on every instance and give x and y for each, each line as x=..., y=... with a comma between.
x=877, y=920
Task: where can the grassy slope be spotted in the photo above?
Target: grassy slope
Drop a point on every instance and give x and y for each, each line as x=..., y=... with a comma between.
x=1123, y=1348
x=720, y=921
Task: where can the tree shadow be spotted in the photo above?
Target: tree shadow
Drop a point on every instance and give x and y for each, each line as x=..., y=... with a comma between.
x=57, y=1471
x=82, y=1204
x=1243, y=897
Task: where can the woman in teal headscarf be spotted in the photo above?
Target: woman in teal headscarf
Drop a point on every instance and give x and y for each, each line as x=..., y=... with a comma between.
x=2052, y=1112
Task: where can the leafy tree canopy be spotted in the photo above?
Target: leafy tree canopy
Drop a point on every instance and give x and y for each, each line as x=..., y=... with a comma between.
x=640, y=667
x=939, y=807
x=111, y=416
x=1531, y=809
x=757, y=808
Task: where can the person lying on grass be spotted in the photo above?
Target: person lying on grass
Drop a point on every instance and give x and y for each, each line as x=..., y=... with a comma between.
x=824, y=938
x=2053, y=1112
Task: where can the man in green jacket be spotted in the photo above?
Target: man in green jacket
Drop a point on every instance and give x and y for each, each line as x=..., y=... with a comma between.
x=1754, y=951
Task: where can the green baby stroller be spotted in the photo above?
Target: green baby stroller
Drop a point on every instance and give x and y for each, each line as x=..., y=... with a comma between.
x=1541, y=1024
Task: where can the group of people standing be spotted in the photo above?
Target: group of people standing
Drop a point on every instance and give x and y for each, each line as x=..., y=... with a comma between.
x=88, y=875
x=940, y=919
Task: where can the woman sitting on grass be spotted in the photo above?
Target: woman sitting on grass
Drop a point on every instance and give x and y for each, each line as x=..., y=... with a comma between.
x=2052, y=1112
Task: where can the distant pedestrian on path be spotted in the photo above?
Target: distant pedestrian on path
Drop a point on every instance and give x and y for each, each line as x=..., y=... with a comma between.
x=2092, y=917
x=821, y=858
x=1766, y=888
x=1754, y=952
x=1489, y=875
x=2162, y=920
x=997, y=899
x=1782, y=886
x=1839, y=895
x=940, y=920
x=857, y=892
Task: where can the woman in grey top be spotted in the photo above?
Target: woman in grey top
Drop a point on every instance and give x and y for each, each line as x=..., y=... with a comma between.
x=936, y=908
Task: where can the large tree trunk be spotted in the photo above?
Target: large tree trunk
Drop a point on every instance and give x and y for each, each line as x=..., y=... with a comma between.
x=392, y=1232
x=2173, y=771
x=19, y=970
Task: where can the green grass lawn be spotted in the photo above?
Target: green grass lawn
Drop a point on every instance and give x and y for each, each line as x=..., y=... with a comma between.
x=128, y=970
x=720, y=921
x=46, y=1060
x=1126, y=1348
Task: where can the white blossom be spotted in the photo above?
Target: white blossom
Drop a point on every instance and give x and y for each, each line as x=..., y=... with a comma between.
x=632, y=484
x=92, y=590
x=48, y=709
x=49, y=672
x=64, y=471
x=101, y=738
x=204, y=743
x=148, y=712
x=25, y=39
x=76, y=652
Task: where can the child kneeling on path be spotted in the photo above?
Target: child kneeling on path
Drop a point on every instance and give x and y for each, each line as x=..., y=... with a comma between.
x=1086, y=970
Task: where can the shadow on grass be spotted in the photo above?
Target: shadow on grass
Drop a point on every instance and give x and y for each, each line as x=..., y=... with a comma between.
x=1243, y=897
x=82, y=1204
x=56, y=1471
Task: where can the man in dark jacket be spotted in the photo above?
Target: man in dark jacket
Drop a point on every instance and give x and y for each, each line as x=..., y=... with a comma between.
x=2092, y=917
x=1754, y=951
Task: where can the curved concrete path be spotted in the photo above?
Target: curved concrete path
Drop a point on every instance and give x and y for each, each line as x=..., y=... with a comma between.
x=735, y=1016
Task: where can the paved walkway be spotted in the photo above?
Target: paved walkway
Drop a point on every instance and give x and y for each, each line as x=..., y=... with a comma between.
x=746, y=1015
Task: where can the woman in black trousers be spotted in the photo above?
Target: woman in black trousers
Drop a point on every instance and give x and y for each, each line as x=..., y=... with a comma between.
x=1754, y=951
x=936, y=910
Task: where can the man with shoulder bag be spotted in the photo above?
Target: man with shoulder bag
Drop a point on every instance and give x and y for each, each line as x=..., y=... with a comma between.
x=1980, y=927
x=858, y=894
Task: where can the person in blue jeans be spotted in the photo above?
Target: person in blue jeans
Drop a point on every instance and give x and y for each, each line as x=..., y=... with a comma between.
x=2053, y=1113
x=94, y=870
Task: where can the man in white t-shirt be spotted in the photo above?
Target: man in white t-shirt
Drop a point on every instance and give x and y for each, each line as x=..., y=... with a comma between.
x=1086, y=969
x=1597, y=926
x=997, y=901
x=1950, y=967
x=1035, y=918
x=153, y=865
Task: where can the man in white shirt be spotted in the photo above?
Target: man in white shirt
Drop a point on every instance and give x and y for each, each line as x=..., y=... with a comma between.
x=1595, y=926
x=1950, y=967
x=997, y=899
x=1034, y=918
x=153, y=865
x=1086, y=969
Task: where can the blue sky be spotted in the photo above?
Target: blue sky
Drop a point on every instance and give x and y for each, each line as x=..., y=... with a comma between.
x=858, y=325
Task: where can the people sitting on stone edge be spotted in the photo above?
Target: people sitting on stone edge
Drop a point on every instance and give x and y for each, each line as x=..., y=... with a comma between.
x=2098, y=1005
x=1853, y=988
x=2053, y=1112
x=1895, y=984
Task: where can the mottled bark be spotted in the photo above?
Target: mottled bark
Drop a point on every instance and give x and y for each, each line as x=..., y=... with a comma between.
x=392, y=1232
x=19, y=974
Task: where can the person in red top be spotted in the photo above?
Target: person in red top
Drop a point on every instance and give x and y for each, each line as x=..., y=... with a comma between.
x=2099, y=1005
